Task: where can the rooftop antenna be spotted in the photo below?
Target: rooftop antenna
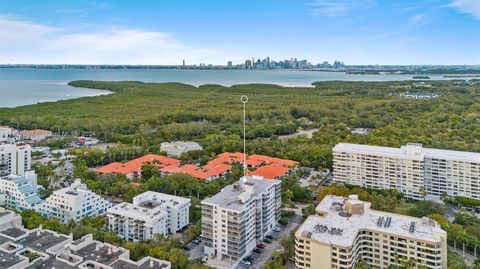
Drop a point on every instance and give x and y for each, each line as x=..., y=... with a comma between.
x=244, y=100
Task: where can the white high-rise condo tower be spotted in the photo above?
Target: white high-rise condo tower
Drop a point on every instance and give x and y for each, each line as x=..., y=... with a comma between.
x=412, y=169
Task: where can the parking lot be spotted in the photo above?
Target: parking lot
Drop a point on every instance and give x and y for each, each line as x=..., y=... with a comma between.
x=261, y=258
x=194, y=250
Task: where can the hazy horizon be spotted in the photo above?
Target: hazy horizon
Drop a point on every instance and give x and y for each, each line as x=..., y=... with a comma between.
x=89, y=32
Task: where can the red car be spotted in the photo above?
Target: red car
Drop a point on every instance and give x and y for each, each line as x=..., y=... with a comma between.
x=260, y=245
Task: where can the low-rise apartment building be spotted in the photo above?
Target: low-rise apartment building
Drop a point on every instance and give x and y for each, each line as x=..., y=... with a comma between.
x=150, y=214
x=73, y=203
x=267, y=167
x=177, y=148
x=19, y=192
x=15, y=159
x=7, y=134
x=21, y=248
x=35, y=135
x=238, y=217
x=347, y=230
x=411, y=169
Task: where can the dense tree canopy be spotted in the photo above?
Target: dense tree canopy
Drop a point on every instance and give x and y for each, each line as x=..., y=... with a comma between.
x=146, y=114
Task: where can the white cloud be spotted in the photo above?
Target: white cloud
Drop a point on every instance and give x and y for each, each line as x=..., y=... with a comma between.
x=418, y=20
x=471, y=7
x=336, y=8
x=329, y=8
x=27, y=42
x=11, y=29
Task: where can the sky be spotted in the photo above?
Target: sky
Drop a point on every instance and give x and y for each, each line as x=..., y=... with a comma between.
x=214, y=31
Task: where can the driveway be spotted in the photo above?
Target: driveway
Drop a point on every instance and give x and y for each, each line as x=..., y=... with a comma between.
x=267, y=252
x=195, y=252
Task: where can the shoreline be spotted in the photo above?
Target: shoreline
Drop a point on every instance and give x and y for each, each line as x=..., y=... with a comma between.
x=100, y=93
x=36, y=86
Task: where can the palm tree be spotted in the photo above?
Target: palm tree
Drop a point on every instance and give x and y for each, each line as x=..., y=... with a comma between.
x=444, y=197
x=454, y=232
x=423, y=192
x=463, y=238
x=289, y=195
x=362, y=265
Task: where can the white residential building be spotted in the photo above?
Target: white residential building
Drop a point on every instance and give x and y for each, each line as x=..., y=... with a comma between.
x=9, y=219
x=74, y=203
x=177, y=148
x=345, y=231
x=177, y=208
x=135, y=223
x=151, y=213
x=238, y=217
x=21, y=248
x=19, y=192
x=409, y=169
x=7, y=134
x=15, y=159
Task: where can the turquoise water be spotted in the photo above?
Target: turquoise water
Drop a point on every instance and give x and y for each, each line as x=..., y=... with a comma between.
x=29, y=86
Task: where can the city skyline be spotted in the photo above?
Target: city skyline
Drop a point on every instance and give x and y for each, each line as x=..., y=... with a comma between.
x=443, y=32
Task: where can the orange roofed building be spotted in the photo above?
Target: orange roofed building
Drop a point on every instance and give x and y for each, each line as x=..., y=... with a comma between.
x=35, y=135
x=268, y=167
x=133, y=169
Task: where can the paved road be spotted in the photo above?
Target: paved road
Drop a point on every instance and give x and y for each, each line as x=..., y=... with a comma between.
x=269, y=248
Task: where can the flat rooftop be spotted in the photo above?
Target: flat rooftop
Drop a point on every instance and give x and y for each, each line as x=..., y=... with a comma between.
x=42, y=240
x=229, y=196
x=146, y=214
x=151, y=199
x=407, y=151
x=4, y=213
x=49, y=263
x=121, y=264
x=4, y=239
x=8, y=260
x=13, y=232
x=101, y=255
x=341, y=229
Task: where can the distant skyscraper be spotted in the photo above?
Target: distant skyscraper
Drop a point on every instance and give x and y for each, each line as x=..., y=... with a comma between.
x=248, y=64
x=230, y=65
x=183, y=63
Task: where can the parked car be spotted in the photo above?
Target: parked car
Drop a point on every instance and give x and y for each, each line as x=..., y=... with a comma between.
x=275, y=229
x=195, y=241
x=257, y=250
x=186, y=248
x=266, y=240
x=260, y=245
x=269, y=237
x=246, y=262
x=249, y=258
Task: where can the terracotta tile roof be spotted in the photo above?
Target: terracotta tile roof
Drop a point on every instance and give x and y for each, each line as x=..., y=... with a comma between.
x=275, y=167
x=259, y=157
x=179, y=169
x=271, y=171
x=109, y=168
x=253, y=162
x=219, y=169
x=136, y=164
x=271, y=160
x=199, y=174
x=34, y=132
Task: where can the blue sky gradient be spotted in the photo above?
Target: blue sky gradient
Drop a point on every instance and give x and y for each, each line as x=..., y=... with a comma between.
x=165, y=32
